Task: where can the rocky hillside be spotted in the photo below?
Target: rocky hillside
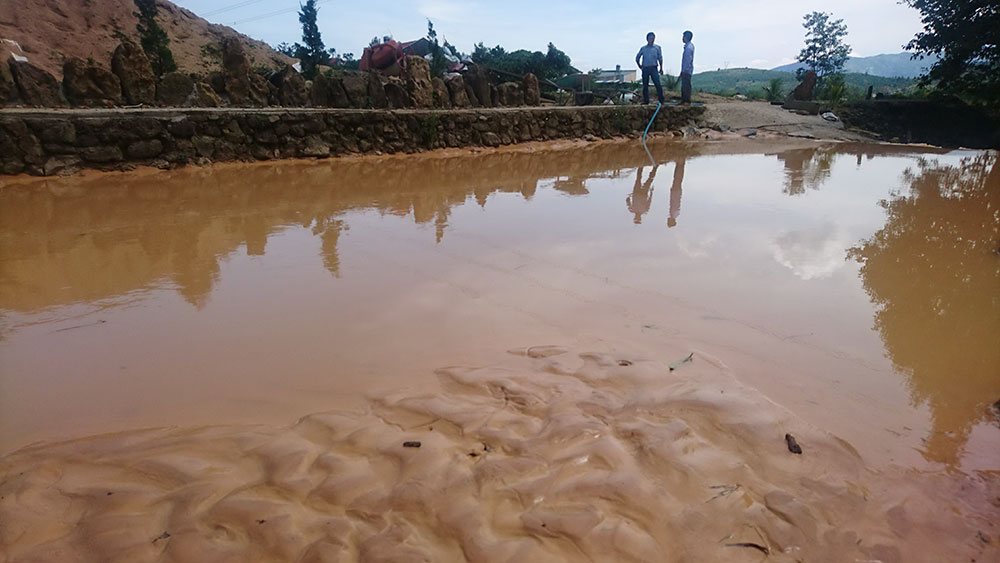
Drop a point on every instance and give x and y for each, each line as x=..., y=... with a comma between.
x=51, y=31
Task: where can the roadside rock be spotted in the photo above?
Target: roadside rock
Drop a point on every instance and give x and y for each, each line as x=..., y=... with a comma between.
x=328, y=91
x=804, y=91
x=456, y=92
x=291, y=87
x=242, y=85
x=205, y=96
x=174, y=89
x=801, y=107
x=418, y=82
x=356, y=86
x=397, y=96
x=90, y=85
x=217, y=80
x=376, y=92
x=480, y=82
x=134, y=73
x=510, y=94
x=470, y=93
x=8, y=90
x=37, y=87
x=532, y=94
x=442, y=98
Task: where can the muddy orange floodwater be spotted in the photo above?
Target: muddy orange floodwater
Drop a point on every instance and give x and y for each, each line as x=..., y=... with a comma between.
x=593, y=354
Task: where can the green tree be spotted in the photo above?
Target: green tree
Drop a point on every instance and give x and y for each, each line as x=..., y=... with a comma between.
x=774, y=91
x=312, y=52
x=964, y=34
x=834, y=88
x=558, y=63
x=825, y=51
x=439, y=64
x=286, y=49
x=153, y=39
x=933, y=276
x=551, y=65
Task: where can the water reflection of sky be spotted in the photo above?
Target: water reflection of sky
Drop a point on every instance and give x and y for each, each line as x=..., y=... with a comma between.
x=759, y=239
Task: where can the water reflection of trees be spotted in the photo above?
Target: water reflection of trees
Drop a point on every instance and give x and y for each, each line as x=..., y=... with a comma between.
x=87, y=238
x=934, y=274
x=806, y=168
x=83, y=239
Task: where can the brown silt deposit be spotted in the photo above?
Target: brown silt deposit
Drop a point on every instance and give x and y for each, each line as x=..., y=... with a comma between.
x=719, y=351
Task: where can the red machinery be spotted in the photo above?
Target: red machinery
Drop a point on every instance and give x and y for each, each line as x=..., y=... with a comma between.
x=382, y=56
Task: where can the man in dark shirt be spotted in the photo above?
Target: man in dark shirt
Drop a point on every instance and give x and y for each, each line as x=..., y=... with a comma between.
x=650, y=60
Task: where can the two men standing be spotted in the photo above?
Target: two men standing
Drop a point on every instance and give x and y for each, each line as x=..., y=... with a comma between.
x=650, y=60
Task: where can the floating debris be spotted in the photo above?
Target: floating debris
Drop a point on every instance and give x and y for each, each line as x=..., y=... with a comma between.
x=411, y=444
x=162, y=536
x=97, y=322
x=679, y=363
x=726, y=490
x=793, y=446
x=752, y=545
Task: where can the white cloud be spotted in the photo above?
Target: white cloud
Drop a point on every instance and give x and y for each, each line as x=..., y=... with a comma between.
x=813, y=253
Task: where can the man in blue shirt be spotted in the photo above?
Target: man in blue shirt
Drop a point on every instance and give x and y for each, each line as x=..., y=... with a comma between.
x=649, y=58
x=687, y=68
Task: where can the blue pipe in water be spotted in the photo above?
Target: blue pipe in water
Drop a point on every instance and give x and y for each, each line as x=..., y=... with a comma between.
x=650, y=124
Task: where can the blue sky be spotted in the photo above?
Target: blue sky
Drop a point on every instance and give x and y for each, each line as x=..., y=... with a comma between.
x=727, y=33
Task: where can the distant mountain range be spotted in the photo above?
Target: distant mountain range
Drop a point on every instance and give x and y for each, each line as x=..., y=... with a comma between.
x=751, y=81
x=890, y=65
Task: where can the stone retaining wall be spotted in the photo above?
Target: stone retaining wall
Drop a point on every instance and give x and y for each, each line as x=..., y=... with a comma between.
x=63, y=142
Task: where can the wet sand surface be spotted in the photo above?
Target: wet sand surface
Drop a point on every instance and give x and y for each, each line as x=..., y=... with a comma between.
x=517, y=313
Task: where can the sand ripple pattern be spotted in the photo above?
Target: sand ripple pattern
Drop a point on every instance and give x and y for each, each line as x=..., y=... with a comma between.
x=558, y=457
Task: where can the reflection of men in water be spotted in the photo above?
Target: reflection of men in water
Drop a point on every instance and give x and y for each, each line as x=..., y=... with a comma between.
x=675, y=193
x=642, y=194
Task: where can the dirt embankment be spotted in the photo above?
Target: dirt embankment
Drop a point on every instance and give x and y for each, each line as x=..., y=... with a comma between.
x=761, y=117
x=51, y=31
x=946, y=123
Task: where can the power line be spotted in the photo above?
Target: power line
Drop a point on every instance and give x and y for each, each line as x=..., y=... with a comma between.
x=275, y=13
x=231, y=7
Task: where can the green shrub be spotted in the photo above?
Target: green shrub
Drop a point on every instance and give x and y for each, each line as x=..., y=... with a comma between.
x=774, y=91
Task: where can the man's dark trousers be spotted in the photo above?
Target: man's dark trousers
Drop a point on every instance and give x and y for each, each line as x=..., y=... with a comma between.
x=647, y=72
x=685, y=88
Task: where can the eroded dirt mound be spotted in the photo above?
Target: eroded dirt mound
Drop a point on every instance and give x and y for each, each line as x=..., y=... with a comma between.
x=51, y=31
x=557, y=457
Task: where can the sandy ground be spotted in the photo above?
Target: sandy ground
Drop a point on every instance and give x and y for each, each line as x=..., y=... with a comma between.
x=560, y=456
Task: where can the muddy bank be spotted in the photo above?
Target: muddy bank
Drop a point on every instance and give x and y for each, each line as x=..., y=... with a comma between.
x=64, y=142
x=556, y=455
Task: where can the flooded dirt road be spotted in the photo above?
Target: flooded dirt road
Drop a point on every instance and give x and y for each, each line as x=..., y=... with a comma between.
x=846, y=293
